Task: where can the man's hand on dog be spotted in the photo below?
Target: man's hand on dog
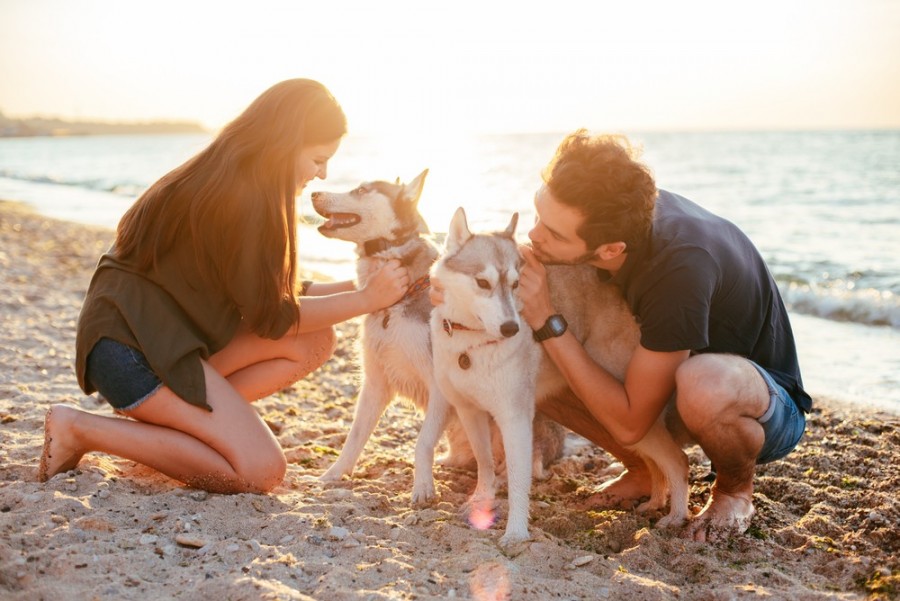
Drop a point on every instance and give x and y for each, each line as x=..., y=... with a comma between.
x=386, y=285
x=533, y=290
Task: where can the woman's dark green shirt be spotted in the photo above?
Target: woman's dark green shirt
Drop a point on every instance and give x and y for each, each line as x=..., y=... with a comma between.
x=172, y=315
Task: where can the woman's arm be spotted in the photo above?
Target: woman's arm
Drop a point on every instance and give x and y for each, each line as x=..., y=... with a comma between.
x=328, y=288
x=383, y=288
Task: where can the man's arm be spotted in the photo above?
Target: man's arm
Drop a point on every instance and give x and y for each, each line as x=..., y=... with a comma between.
x=626, y=410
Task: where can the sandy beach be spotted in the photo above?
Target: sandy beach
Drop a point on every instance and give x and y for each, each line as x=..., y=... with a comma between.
x=827, y=523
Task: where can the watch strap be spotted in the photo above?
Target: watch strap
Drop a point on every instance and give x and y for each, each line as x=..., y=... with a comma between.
x=555, y=325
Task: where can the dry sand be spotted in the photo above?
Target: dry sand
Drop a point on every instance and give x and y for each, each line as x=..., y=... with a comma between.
x=826, y=527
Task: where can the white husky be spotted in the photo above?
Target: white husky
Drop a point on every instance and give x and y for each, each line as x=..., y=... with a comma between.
x=383, y=220
x=487, y=364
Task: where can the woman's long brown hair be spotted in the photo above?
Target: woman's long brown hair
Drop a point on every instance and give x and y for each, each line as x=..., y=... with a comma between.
x=238, y=194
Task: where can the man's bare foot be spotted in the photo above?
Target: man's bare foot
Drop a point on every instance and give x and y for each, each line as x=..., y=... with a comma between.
x=725, y=515
x=622, y=491
x=60, y=453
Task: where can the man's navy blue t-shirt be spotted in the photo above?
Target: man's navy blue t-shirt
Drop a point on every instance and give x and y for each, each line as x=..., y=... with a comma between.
x=701, y=285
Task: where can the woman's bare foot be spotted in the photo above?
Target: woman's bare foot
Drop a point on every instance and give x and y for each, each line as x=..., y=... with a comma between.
x=60, y=453
x=622, y=491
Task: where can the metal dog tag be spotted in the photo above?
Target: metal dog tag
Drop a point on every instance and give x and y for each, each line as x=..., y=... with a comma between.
x=464, y=361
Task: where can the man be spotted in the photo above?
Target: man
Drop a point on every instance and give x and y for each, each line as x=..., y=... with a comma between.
x=714, y=330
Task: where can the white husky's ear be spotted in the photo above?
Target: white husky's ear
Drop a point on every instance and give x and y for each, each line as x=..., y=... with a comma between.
x=413, y=190
x=459, y=231
x=510, y=231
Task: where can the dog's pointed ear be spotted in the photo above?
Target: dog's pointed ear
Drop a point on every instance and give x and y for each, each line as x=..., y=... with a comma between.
x=459, y=231
x=510, y=231
x=413, y=190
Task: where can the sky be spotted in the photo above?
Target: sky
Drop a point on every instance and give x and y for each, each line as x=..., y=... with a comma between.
x=463, y=66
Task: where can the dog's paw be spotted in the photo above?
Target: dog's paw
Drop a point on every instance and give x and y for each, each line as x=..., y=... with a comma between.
x=649, y=506
x=333, y=474
x=538, y=472
x=672, y=521
x=481, y=512
x=514, y=542
x=461, y=461
x=422, y=495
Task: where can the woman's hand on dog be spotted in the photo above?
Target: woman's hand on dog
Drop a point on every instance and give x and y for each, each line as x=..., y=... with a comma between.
x=386, y=285
x=533, y=290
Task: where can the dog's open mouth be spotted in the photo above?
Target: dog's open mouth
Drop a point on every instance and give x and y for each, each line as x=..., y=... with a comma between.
x=336, y=221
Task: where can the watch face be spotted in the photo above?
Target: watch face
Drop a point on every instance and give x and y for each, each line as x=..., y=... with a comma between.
x=557, y=325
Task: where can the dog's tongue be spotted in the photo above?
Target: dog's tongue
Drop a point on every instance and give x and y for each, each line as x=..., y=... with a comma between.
x=337, y=220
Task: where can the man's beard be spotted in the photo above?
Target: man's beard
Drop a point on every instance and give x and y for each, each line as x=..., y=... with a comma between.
x=546, y=259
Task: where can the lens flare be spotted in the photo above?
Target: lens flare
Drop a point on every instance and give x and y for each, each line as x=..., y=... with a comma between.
x=482, y=515
x=490, y=582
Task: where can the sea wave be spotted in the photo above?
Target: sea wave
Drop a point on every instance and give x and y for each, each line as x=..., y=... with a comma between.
x=867, y=306
x=119, y=188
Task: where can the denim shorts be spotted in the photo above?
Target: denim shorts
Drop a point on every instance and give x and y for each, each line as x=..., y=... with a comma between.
x=121, y=374
x=783, y=423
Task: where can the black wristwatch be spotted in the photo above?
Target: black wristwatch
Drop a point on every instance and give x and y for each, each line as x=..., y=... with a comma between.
x=556, y=325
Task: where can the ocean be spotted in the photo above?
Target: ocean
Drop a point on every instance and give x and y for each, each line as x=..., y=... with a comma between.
x=823, y=207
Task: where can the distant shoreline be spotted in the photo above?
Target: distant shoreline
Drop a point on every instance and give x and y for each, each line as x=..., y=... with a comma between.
x=51, y=127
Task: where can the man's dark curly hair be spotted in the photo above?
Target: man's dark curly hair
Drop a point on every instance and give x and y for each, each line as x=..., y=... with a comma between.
x=600, y=176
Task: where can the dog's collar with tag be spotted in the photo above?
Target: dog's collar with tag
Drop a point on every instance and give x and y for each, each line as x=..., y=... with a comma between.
x=417, y=287
x=448, y=326
x=465, y=362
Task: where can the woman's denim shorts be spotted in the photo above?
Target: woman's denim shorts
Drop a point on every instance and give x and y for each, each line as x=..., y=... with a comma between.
x=121, y=374
x=783, y=423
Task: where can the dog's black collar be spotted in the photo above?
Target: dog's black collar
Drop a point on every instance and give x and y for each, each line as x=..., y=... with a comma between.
x=373, y=247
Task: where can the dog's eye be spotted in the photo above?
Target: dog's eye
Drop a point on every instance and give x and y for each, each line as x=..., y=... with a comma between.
x=515, y=284
x=359, y=191
x=483, y=284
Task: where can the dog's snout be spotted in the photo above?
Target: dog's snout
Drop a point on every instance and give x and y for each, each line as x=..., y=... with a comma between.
x=509, y=329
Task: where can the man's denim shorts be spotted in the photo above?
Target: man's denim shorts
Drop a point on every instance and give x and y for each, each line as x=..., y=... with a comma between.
x=783, y=423
x=121, y=374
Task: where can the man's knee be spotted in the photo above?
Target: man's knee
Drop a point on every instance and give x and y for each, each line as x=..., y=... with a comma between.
x=703, y=383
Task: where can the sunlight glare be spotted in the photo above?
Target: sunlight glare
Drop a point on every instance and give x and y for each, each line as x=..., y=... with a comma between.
x=482, y=515
x=490, y=582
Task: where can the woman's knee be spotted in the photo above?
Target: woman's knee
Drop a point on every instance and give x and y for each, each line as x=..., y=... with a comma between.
x=263, y=472
x=317, y=347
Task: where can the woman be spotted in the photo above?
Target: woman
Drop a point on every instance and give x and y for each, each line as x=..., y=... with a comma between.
x=194, y=312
